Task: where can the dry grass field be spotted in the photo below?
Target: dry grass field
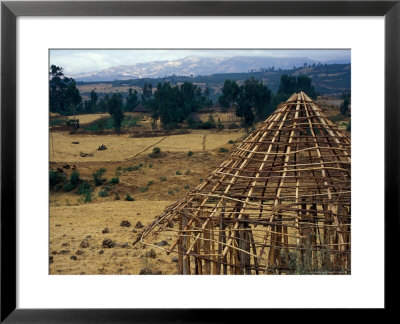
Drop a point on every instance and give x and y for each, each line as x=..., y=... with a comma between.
x=153, y=183
x=89, y=118
x=68, y=147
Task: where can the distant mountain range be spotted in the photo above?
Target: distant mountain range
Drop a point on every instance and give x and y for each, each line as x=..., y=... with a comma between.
x=194, y=65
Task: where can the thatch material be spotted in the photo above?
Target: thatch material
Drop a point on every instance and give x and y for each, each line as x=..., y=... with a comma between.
x=194, y=118
x=140, y=109
x=279, y=204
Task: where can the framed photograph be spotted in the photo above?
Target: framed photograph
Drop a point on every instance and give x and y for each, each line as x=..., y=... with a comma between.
x=197, y=155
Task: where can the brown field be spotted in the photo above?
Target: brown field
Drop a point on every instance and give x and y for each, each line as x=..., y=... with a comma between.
x=154, y=186
x=88, y=118
x=123, y=147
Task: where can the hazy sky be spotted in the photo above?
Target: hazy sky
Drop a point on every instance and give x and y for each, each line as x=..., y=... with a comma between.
x=78, y=61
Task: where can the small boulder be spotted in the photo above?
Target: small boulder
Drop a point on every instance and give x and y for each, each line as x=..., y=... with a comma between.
x=73, y=257
x=54, y=252
x=139, y=225
x=63, y=252
x=125, y=223
x=84, y=244
x=108, y=243
x=101, y=252
x=174, y=259
x=125, y=245
x=51, y=259
x=106, y=230
x=79, y=252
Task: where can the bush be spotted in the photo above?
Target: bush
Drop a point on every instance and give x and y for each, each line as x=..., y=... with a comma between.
x=116, y=196
x=87, y=197
x=150, y=165
x=129, y=198
x=97, y=176
x=132, y=168
x=178, y=172
x=231, y=142
x=163, y=178
x=210, y=123
x=144, y=189
x=74, y=178
x=155, y=153
x=150, y=183
x=56, y=177
x=84, y=187
x=170, y=192
x=190, y=153
x=187, y=171
x=68, y=187
x=103, y=193
x=223, y=150
x=114, y=180
x=186, y=187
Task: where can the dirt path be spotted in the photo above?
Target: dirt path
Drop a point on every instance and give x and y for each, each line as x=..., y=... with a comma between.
x=148, y=148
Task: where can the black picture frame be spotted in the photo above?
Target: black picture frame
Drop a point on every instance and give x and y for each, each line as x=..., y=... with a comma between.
x=10, y=10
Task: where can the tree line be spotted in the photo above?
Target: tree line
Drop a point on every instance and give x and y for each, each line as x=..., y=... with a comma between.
x=252, y=100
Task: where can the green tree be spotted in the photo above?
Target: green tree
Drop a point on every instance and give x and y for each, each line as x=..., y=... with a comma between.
x=64, y=96
x=115, y=105
x=131, y=100
x=230, y=95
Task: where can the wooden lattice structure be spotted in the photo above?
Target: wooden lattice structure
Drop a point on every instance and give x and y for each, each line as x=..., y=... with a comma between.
x=280, y=203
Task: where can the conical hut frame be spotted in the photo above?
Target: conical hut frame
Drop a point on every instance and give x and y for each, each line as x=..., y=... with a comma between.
x=279, y=204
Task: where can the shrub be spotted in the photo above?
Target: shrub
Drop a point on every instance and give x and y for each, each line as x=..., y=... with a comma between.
x=186, y=187
x=84, y=187
x=55, y=177
x=87, y=197
x=210, y=123
x=144, y=189
x=150, y=183
x=231, y=142
x=163, y=178
x=68, y=187
x=103, y=193
x=190, y=153
x=223, y=150
x=187, y=171
x=178, y=172
x=132, y=168
x=97, y=176
x=116, y=196
x=150, y=165
x=118, y=171
x=155, y=153
x=129, y=198
x=114, y=180
x=74, y=178
x=170, y=192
